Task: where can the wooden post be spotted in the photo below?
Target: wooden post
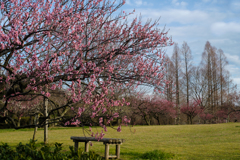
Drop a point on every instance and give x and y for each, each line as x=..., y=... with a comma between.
x=106, y=151
x=76, y=146
x=87, y=146
x=118, y=151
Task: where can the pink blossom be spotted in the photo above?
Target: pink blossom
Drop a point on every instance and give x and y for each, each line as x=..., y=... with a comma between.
x=119, y=129
x=48, y=94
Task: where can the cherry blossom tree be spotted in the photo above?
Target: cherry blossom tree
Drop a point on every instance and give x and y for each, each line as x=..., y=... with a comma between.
x=21, y=106
x=162, y=108
x=82, y=47
x=139, y=105
x=151, y=107
x=18, y=109
x=230, y=109
x=191, y=110
x=205, y=117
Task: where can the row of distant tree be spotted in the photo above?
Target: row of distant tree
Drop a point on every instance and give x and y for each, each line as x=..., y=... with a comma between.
x=206, y=90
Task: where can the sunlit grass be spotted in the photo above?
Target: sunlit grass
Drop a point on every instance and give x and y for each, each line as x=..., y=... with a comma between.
x=215, y=141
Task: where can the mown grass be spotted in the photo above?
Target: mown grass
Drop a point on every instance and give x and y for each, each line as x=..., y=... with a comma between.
x=211, y=142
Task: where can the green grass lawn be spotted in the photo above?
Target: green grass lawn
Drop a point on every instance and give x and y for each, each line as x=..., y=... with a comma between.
x=214, y=141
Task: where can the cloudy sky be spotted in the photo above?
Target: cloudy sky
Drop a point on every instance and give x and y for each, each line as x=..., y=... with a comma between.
x=197, y=21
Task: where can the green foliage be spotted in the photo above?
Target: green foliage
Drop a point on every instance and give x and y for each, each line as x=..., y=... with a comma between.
x=6, y=152
x=157, y=155
x=81, y=155
x=33, y=151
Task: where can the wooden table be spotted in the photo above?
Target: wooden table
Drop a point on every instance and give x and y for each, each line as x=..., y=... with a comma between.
x=106, y=142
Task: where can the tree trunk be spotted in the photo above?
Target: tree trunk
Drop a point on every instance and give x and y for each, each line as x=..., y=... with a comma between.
x=191, y=119
x=148, y=122
x=118, y=121
x=46, y=120
x=19, y=120
x=36, y=126
x=159, y=121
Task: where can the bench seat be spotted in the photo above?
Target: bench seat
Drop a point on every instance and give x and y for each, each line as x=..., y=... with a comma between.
x=106, y=142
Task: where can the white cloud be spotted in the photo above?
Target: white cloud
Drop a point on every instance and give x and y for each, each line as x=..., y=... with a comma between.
x=138, y=2
x=205, y=1
x=219, y=40
x=128, y=2
x=237, y=81
x=175, y=2
x=183, y=16
x=233, y=58
x=214, y=1
x=235, y=5
x=188, y=31
x=234, y=73
x=233, y=69
x=182, y=3
x=220, y=28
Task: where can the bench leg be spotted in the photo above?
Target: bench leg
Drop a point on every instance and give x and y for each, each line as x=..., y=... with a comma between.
x=87, y=146
x=76, y=146
x=118, y=151
x=106, y=151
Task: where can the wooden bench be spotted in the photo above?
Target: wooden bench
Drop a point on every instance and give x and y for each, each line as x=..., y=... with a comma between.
x=106, y=142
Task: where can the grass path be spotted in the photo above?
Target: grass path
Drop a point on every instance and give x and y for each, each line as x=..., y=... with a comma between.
x=214, y=141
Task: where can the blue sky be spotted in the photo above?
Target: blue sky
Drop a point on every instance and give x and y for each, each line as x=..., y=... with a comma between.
x=197, y=21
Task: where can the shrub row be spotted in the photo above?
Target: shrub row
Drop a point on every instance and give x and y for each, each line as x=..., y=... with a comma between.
x=33, y=151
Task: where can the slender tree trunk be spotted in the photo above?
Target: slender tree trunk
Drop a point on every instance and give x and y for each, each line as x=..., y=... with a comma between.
x=187, y=78
x=177, y=89
x=36, y=118
x=191, y=119
x=221, y=81
x=187, y=57
x=159, y=121
x=19, y=120
x=209, y=82
x=5, y=113
x=171, y=97
x=228, y=117
x=46, y=121
x=118, y=121
x=148, y=122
